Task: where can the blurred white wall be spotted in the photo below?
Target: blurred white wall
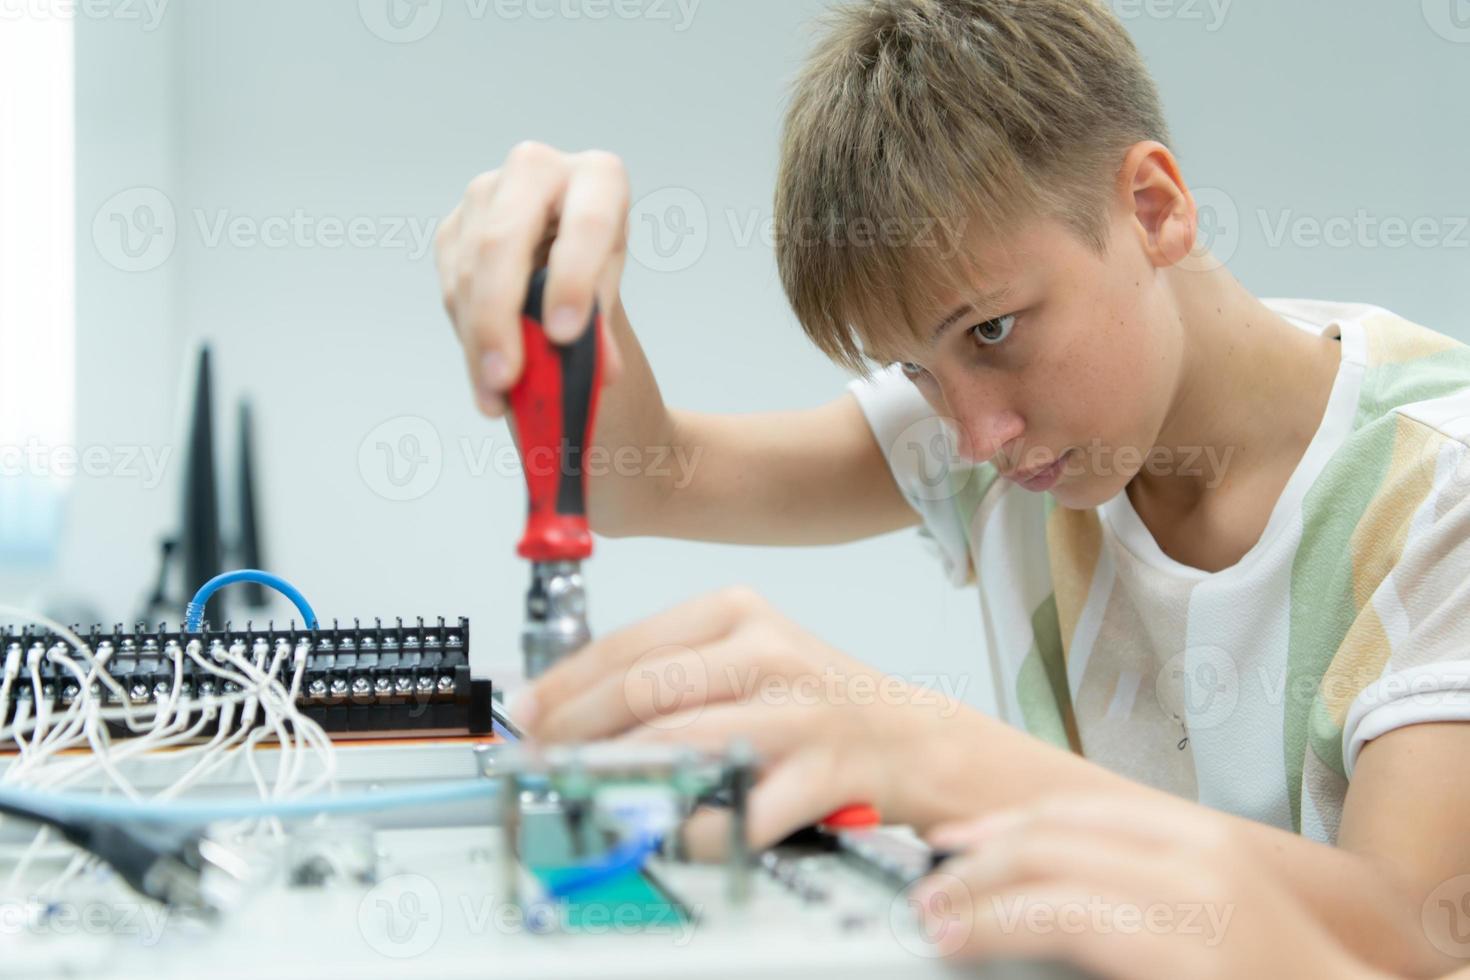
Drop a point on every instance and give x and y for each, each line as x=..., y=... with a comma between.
x=274, y=128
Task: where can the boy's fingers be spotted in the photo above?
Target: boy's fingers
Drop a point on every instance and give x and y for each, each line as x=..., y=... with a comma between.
x=498, y=253
x=706, y=834
x=1029, y=858
x=797, y=792
x=446, y=244
x=698, y=621
x=773, y=732
x=1158, y=823
x=1040, y=924
x=609, y=300
x=662, y=688
x=958, y=834
x=591, y=231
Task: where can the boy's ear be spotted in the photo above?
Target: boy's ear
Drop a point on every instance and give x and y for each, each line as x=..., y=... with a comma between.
x=1163, y=211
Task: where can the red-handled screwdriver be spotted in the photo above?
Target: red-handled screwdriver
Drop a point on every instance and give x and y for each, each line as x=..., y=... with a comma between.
x=554, y=406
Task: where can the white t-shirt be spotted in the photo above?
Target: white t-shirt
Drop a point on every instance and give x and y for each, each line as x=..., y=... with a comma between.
x=1254, y=688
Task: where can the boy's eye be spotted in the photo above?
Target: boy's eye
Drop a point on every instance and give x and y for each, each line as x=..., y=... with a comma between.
x=911, y=370
x=994, y=331
x=989, y=333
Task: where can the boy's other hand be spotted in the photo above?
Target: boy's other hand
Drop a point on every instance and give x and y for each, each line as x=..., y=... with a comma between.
x=1121, y=889
x=828, y=730
x=566, y=211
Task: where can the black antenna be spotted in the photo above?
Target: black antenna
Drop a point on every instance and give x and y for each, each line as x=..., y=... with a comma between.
x=252, y=594
x=199, y=543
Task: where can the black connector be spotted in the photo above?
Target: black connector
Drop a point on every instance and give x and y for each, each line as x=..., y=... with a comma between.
x=173, y=864
x=179, y=867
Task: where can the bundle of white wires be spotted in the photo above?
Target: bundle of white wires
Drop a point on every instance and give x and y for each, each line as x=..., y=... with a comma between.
x=246, y=692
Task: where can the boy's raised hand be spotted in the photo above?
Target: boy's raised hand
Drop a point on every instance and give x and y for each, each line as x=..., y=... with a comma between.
x=567, y=211
x=828, y=730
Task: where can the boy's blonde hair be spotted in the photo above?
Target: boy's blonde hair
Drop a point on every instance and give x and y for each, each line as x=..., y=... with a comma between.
x=919, y=125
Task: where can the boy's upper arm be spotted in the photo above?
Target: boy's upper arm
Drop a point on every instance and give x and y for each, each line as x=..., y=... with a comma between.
x=1406, y=812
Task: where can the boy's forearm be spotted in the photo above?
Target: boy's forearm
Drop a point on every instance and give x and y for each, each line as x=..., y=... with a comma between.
x=803, y=477
x=633, y=439
x=1368, y=909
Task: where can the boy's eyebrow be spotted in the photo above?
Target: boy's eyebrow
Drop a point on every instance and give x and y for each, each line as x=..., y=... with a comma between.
x=984, y=299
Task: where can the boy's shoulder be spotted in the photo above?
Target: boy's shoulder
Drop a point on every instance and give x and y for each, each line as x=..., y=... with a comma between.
x=1405, y=433
x=1413, y=377
x=1409, y=372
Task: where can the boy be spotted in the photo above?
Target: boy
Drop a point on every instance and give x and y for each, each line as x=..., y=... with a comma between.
x=980, y=194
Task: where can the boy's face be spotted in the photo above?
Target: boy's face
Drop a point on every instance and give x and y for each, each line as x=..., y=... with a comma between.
x=1064, y=378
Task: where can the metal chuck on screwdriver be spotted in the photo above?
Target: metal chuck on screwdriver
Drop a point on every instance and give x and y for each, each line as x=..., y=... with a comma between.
x=554, y=406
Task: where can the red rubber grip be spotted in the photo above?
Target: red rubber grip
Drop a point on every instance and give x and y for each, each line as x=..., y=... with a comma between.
x=852, y=817
x=554, y=407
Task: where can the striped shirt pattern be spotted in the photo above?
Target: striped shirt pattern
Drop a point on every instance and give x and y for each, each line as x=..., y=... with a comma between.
x=1251, y=689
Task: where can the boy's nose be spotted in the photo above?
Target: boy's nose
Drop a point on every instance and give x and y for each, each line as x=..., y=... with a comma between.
x=981, y=440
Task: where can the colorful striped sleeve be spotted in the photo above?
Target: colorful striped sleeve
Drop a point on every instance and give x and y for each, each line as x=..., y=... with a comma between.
x=919, y=450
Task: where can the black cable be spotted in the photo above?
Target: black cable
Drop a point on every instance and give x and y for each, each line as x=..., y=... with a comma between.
x=163, y=862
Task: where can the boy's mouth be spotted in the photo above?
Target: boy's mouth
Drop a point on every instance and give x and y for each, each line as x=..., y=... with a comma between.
x=1042, y=479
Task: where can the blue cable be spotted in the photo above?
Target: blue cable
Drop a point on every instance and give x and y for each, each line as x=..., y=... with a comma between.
x=194, y=614
x=623, y=859
x=201, y=811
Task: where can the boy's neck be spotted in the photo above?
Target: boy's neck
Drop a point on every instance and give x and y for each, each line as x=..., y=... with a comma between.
x=1252, y=388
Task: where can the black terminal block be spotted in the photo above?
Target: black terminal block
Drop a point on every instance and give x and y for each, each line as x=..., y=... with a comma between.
x=398, y=679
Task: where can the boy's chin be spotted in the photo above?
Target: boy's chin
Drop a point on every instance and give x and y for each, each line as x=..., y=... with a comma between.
x=1085, y=491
